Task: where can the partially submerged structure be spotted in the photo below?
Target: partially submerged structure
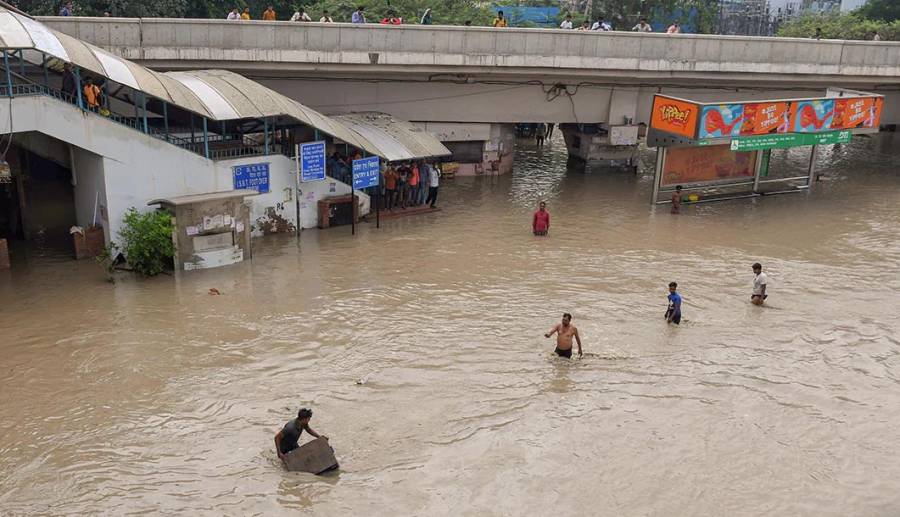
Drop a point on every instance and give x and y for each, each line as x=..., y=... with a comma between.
x=723, y=150
x=149, y=135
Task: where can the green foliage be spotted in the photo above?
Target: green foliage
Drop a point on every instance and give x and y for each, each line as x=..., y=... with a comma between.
x=147, y=241
x=883, y=10
x=840, y=26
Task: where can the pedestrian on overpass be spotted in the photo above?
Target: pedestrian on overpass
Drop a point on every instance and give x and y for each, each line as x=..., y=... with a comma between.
x=499, y=21
x=245, y=16
x=92, y=94
x=358, y=16
x=300, y=16
x=69, y=83
x=567, y=23
x=426, y=18
x=642, y=26
x=269, y=14
x=325, y=18
x=234, y=15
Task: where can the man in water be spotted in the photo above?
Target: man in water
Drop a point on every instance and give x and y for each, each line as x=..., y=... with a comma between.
x=540, y=223
x=565, y=331
x=673, y=312
x=676, y=200
x=286, y=439
x=759, y=285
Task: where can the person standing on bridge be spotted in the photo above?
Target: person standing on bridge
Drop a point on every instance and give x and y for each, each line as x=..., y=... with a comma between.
x=567, y=23
x=246, y=14
x=642, y=26
x=674, y=28
x=69, y=83
x=300, y=16
x=426, y=18
x=325, y=18
x=358, y=16
x=234, y=15
x=269, y=14
x=67, y=9
x=499, y=21
x=540, y=223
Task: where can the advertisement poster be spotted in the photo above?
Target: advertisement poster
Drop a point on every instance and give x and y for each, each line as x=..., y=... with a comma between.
x=674, y=116
x=765, y=118
x=812, y=116
x=876, y=113
x=715, y=163
x=721, y=121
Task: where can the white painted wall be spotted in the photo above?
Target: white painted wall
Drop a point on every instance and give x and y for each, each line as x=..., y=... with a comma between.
x=282, y=186
x=88, y=180
x=131, y=168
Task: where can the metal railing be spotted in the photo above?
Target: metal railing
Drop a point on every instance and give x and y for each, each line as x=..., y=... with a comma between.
x=244, y=147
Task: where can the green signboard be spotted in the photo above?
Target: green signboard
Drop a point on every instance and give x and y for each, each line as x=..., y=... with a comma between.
x=783, y=141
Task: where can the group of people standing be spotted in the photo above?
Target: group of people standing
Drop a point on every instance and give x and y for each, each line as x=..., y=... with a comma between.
x=411, y=184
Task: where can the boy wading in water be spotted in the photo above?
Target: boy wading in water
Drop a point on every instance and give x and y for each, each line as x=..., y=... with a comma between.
x=759, y=285
x=673, y=313
x=565, y=331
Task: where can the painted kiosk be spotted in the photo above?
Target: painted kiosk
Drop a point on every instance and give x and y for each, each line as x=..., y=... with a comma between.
x=719, y=151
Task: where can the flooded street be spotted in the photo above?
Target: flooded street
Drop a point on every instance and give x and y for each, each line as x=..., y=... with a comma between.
x=420, y=348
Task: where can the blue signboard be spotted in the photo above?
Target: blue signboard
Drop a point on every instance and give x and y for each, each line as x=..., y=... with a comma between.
x=312, y=161
x=366, y=172
x=253, y=176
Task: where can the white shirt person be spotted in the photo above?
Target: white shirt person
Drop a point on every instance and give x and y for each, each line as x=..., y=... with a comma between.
x=758, y=296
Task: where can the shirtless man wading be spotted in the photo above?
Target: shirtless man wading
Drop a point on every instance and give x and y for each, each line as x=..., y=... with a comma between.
x=564, y=333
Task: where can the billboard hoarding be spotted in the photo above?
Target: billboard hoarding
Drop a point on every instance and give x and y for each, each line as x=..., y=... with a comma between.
x=675, y=116
x=710, y=164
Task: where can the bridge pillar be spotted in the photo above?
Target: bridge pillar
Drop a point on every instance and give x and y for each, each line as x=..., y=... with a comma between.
x=478, y=148
x=611, y=142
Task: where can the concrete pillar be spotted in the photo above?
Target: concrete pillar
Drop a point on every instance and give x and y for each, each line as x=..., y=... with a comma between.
x=611, y=142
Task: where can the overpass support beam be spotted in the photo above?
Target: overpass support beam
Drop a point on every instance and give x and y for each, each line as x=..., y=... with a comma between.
x=612, y=141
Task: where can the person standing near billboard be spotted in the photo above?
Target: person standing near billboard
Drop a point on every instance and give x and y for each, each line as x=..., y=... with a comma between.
x=676, y=200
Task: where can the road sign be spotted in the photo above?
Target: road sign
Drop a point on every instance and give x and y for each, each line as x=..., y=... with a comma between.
x=312, y=161
x=783, y=141
x=366, y=172
x=252, y=176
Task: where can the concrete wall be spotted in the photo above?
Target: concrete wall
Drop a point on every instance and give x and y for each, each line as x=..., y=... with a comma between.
x=378, y=47
x=479, y=74
x=89, y=180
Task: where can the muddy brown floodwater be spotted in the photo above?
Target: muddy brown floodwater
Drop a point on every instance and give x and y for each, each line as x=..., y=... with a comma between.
x=420, y=347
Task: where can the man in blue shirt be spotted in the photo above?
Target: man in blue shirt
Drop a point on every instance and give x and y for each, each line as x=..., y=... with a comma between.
x=358, y=16
x=673, y=313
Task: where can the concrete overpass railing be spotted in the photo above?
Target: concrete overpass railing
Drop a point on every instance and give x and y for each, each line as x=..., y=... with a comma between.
x=255, y=45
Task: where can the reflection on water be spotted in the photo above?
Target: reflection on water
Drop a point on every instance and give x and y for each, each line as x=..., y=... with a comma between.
x=420, y=346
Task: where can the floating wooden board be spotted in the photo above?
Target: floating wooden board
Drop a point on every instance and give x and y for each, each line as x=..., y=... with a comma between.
x=315, y=457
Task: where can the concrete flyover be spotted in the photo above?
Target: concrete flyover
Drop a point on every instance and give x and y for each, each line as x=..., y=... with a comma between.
x=480, y=74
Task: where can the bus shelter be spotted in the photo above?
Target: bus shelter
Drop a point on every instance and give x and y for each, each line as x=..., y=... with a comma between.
x=718, y=150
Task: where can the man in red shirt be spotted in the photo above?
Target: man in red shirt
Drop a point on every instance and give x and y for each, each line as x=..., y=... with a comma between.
x=541, y=222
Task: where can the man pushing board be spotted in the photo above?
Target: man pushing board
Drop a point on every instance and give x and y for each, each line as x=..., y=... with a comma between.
x=315, y=457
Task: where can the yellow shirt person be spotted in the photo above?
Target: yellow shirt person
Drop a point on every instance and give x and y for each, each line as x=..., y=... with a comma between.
x=499, y=21
x=246, y=14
